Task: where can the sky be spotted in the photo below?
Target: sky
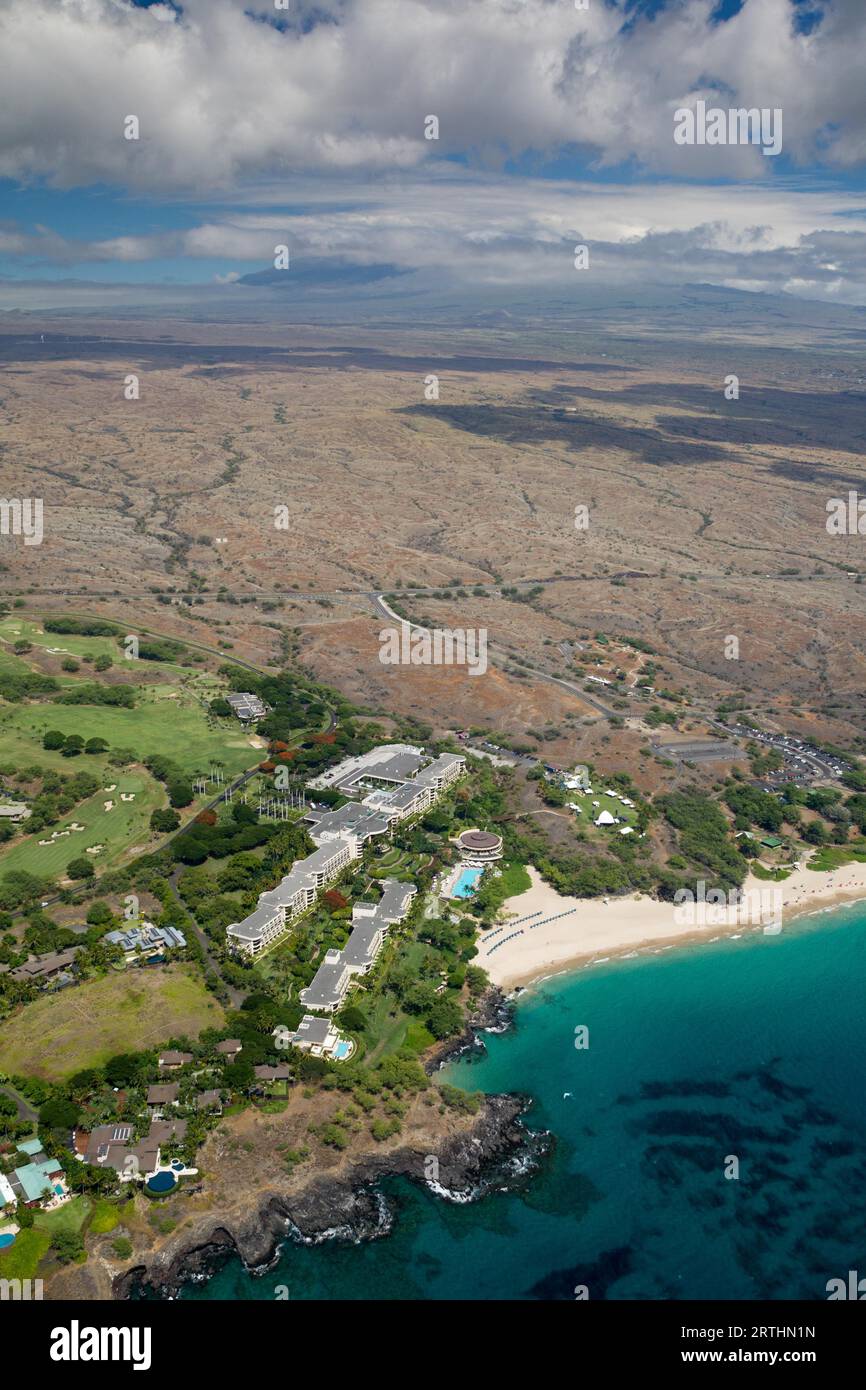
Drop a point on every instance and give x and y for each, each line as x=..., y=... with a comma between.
x=305, y=125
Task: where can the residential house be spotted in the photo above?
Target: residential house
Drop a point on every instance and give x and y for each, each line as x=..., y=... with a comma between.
x=162, y=1095
x=41, y=969
x=229, y=1048
x=170, y=1061
x=246, y=706
x=39, y=1184
x=319, y=1037
x=209, y=1100
x=145, y=939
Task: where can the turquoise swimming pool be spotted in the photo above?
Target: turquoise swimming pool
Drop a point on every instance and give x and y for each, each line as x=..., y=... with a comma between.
x=467, y=883
x=6, y=1239
x=342, y=1051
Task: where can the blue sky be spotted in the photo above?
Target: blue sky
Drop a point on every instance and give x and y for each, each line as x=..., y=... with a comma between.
x=307, y=128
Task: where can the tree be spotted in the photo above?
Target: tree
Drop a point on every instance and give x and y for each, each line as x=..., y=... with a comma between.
x=99, y=914
x=353, y=1019
x=53, y=739
x=81, y=868
x=103, y=662
x=445, y=1018
x=220, y=707
x=59, y=1114
x=68, y=1245
x=73, y=746
x=124, y=1069
x=96, y=745
x=164, y=819
x=180, y=793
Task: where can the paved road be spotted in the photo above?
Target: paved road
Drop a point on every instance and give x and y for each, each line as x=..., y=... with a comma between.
x=24, y=1108
x=384, y=609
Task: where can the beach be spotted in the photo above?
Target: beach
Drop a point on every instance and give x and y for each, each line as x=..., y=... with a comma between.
x=540, y=932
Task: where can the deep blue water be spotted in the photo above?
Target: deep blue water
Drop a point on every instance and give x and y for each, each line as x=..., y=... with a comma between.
x=751, y=1049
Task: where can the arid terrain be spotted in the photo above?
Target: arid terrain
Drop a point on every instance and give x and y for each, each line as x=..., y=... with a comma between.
x=270, y=481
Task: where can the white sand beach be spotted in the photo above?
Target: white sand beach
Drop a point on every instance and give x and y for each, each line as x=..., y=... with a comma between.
x=525, y=945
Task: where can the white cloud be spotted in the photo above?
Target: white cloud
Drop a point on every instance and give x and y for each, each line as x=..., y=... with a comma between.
x=223, y=96
x=497, y=230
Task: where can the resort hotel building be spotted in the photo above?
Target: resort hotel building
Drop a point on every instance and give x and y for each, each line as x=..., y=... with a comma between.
x=395, y=782
x=370, y=923
x=479, y=847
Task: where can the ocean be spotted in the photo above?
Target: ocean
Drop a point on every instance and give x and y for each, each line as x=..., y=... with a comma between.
x=742, y=1058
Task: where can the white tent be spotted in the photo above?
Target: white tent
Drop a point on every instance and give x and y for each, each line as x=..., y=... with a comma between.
x=605, y=819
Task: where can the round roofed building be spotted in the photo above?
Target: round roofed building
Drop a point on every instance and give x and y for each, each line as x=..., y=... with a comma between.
x=480, y=846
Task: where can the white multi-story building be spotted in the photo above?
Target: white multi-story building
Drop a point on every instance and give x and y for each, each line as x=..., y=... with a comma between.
x=401, y=787
x=370, y=923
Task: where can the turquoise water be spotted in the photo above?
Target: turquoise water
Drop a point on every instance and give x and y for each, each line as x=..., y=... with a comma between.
x=748, y=1049
x=6, y=1239
x=342, y=1050
x=466, y=883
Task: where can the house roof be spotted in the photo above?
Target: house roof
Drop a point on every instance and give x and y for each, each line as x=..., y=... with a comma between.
x=313, y=1031
x=229, y=1045
x=35, y=1177
x=32, y=1147
x=174, y=1059
x=280, y=1072
x=162, y=1095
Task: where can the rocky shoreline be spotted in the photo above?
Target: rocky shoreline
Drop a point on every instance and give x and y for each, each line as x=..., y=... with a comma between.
x=497, y=1150
x=251, y=1205
x=494, y=1013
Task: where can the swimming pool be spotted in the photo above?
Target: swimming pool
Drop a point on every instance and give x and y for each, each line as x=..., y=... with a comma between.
x=6, y=1239
x=467, y=883
x=342, y=1051
x=161, y=1182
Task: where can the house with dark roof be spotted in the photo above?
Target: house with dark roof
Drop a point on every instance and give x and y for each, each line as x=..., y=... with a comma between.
x=229, y=1048
x=209, y=1100
x=170, y=1061
x=162, y=1095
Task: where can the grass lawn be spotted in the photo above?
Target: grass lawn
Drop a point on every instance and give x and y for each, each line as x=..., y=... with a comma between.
x=107, y=1215
x=69, y=1218
x=418, y=1037
x=57, y=1035
x=834, y=856
x=777, y=875
x=127, y=824
x=166, y=719
x=21, y=1259
x=589, y=813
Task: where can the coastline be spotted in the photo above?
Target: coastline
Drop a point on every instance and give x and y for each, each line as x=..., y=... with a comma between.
x=248, y=1205
x=595, y=930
